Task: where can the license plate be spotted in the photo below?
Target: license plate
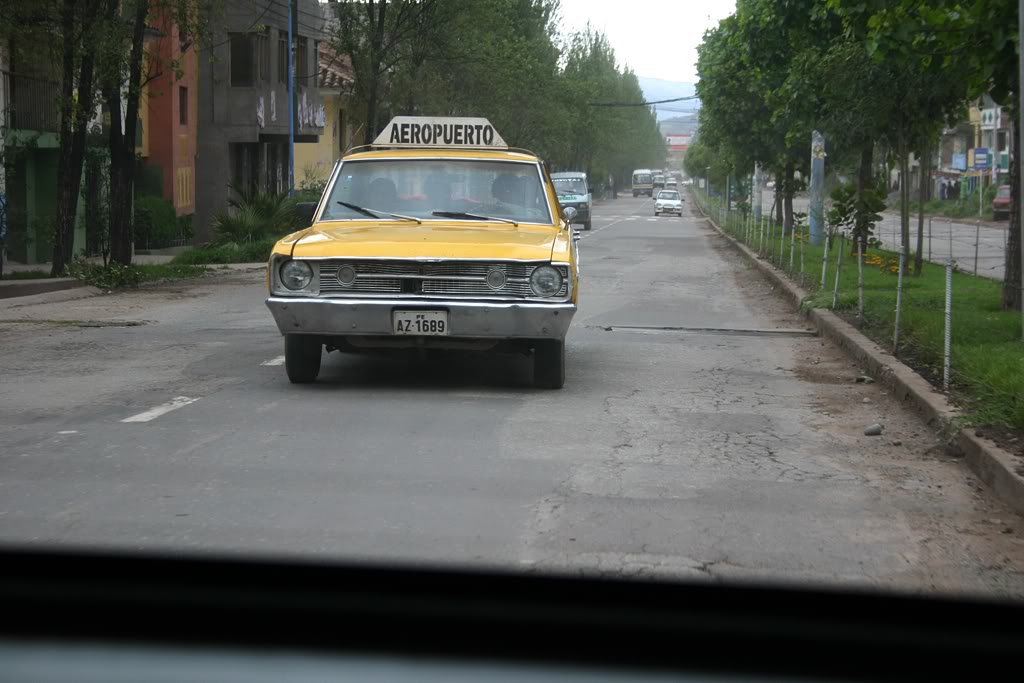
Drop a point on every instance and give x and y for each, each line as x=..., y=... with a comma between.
x=421, y=323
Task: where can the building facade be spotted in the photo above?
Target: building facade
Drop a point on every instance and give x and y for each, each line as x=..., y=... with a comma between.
x=169, y=115
x=29, y=125
x=314, y=161
x=242, y=116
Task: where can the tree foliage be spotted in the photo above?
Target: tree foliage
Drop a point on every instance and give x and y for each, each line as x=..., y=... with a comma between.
x=503, y=60
x=869, y=74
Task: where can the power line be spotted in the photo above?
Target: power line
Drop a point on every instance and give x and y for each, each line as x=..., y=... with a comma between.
x=640, y=104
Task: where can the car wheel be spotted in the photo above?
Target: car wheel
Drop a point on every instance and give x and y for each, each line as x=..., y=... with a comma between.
x=549, y=364
x=586, y=226
x=302, y=357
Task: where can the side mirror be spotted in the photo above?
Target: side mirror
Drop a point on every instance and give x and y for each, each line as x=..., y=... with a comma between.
x=568, y=213
x=304, y=211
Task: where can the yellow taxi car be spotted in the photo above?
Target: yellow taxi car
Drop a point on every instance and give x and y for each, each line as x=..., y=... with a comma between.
x=438, y=235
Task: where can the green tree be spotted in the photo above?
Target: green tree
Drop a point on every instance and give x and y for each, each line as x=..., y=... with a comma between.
x=975, y=45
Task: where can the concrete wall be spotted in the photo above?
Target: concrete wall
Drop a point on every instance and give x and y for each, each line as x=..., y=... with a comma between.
x=230, y=114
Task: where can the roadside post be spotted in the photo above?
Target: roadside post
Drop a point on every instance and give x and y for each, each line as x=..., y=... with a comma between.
x=948, y=330
x=817, y=204
x=860, y=285
x=899, y=305
x=839, y=271
x=824, y=259
x=977, y=236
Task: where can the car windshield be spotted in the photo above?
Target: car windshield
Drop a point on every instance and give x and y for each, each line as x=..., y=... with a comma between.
x=570, y=186
x=318, y=289
x=422, y=187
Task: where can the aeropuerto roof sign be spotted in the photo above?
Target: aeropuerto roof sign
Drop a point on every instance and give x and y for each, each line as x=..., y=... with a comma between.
x=431, y=131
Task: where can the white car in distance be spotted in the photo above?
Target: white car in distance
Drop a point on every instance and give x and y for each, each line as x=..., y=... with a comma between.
x=668, y=201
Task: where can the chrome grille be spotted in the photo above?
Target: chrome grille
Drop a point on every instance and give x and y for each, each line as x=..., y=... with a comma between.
x=450, y=278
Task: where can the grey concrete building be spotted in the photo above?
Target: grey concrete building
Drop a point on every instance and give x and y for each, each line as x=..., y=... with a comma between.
x=243, y=99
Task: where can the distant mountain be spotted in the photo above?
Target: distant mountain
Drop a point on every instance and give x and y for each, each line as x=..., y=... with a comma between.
x=659, y=89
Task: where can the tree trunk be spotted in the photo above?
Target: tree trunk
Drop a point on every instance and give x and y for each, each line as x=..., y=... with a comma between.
x=122, y=147
x=788, y=183
x=778, y=200
x=63, y=233
x=922, y=196
x=865, y=184
x=371, y=111
x=1013, y=297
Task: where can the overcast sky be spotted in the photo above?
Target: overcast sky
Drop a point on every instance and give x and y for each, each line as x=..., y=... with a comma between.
x=656, y=38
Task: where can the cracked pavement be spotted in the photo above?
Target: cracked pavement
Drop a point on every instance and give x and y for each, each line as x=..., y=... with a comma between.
x=692, y=453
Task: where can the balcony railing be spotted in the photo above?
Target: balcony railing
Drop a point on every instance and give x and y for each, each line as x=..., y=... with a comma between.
x=30, y=103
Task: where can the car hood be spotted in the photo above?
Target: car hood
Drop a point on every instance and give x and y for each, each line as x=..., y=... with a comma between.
x=430, y=240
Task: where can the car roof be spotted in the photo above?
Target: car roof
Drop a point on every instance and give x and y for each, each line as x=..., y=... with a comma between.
x=442, y=153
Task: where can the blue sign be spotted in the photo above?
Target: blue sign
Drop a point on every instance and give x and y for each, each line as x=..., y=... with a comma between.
x=981, y=157
x=960, y=162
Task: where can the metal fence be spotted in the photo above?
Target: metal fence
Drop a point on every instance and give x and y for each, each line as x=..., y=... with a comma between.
x=947, y=323
x=31, y=103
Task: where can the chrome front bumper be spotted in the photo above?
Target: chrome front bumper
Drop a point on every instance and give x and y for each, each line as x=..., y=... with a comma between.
x=470, y=319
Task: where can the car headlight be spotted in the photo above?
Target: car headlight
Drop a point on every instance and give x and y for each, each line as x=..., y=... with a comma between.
x=545, y=281
x=296, y=275
x=658, y=205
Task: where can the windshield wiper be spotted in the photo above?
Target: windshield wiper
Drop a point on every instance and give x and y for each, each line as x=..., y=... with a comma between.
x=471, y=216
x=374, y=213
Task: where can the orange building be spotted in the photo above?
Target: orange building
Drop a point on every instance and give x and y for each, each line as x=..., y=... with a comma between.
x=169, y=120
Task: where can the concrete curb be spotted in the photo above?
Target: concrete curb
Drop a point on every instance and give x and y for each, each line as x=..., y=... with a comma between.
x=83, y=292
x=993, y=465
x=10, y=289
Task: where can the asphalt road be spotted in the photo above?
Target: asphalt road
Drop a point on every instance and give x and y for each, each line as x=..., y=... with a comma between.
x=703, y=432
x=943, y=238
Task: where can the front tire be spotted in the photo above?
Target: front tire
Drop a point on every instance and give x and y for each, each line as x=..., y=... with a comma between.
x=586, y=225
x=302, y=358
x=549, y=364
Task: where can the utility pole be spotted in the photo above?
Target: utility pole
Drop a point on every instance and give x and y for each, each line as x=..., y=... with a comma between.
x=816, y=210
x=291, y=97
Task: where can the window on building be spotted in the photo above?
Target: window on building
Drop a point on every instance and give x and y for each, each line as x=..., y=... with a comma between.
x=182, y=105
x=282, y=57
x=1001, y=140
x=301, y=59
x=262, y=44
x=242, y=66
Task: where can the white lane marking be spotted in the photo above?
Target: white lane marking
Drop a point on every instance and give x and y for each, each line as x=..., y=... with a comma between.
x=153, y=413
x=274, y=361
x=69, y=431
x=651, y=220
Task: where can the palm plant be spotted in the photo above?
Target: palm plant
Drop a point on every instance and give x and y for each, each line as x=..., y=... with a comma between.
x=255, y=215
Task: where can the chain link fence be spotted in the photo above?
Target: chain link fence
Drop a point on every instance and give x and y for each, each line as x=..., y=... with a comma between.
x=947, y=323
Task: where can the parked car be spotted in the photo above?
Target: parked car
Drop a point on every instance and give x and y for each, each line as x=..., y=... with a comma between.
x=573, y=190
x=435, y=236
x=1002, y=203
x=668, y=201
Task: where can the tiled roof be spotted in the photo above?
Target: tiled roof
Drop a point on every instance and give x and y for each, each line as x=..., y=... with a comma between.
x=335, y=69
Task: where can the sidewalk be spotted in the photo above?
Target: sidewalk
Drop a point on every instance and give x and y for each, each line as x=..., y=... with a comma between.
x=139, y=259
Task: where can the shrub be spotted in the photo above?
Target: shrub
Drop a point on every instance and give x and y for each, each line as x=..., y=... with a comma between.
x=255, y=216
x=232, y=252
x=112, y=276
x=156, y=223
